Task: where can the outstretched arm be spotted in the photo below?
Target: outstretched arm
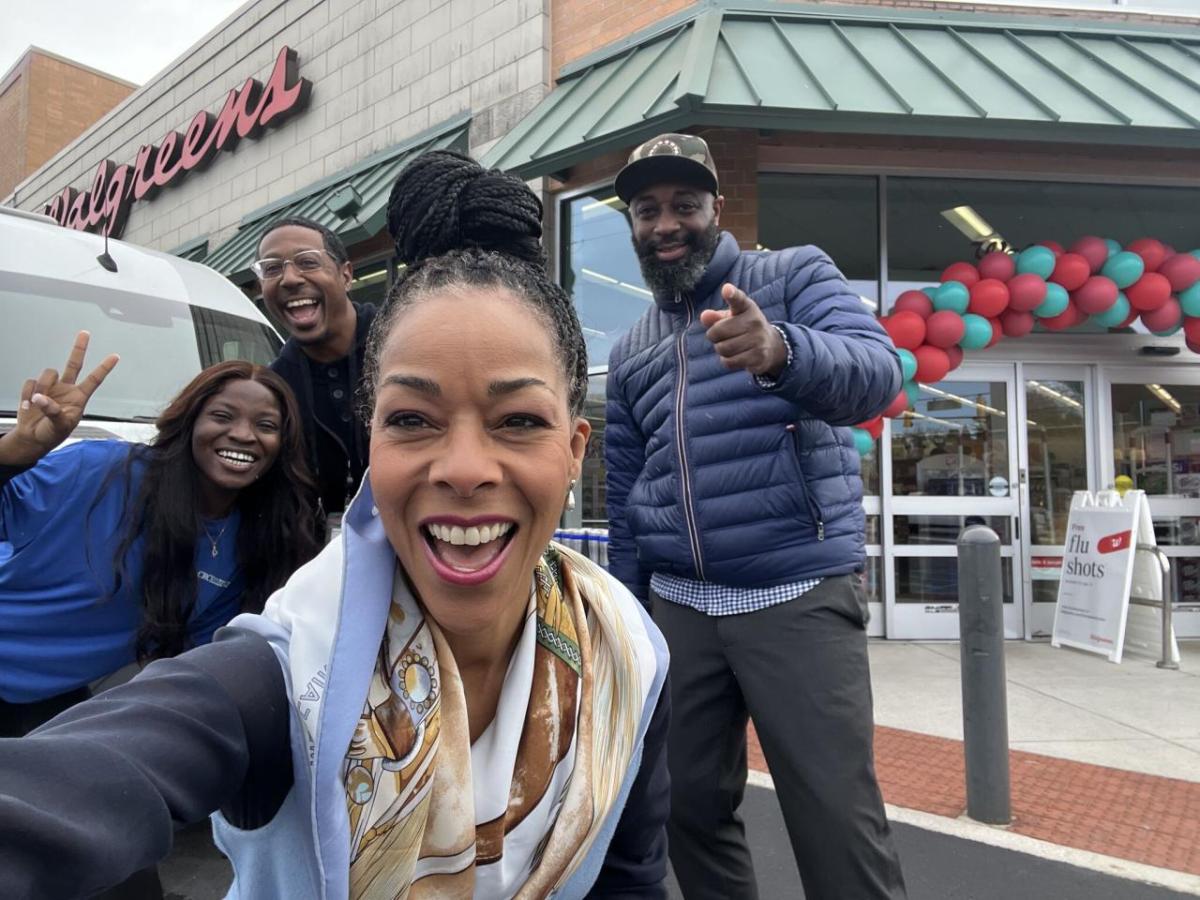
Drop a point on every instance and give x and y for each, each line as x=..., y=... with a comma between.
x=93, y=796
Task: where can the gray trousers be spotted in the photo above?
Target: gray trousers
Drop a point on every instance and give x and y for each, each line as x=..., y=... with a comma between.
x=800, y=671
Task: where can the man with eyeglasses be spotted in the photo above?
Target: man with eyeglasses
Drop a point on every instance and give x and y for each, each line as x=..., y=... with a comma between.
x=305, y=275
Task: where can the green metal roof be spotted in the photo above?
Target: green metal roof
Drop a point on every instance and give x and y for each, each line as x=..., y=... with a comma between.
x=195, y=249
x=824, y=69
x=368, y=182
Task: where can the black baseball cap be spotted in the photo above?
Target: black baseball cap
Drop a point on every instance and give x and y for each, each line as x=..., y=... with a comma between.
x=679, y=158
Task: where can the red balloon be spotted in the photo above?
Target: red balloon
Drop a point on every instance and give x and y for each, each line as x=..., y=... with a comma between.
x=1026, y=292
x=997, y=332
x=1071, y=271
x=1193, y=346
x=1165, y=317
x=1129, y=320
x=907, y=329
x=1182, y=270
x=873, y=427
x=932, y=364
x=1152, y=252
x=1191, y=329
x=989, y=298
x=898, y=405
x=962, y=272
x=1093, y=249
x=998, y=265
x=944, y=328
x=1016, y=322
x=1149, y=292
x=916, y=301
x=1053, y=245
x=1097, y=295
x=1068, y=318
x=955, y=355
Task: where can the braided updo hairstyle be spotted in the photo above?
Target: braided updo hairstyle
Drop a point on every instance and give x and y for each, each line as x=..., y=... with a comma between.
x=458, y=224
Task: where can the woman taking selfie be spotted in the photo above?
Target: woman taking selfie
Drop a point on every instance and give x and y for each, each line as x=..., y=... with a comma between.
x=112, y=552
x=464, y=709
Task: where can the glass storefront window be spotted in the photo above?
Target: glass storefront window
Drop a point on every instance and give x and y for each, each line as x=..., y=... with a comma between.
x=370, y=284
x=871, y=579
x=593, y=504
x=944, y=530
x=1057, y=455
x=838, y=213
x=954, y=443
x=921, y=241
x=1156, y=437
x=600, y=270
x=934, y=579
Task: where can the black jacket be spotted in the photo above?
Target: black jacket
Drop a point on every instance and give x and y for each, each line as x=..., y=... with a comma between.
x=334, y=488
x=93, y=796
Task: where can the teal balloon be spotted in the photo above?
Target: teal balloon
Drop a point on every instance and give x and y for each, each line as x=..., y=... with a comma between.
x=1195, y=253
x=978, y=333
x=1113, y=247
x=1174, y=330
x=1056, y=301
x=930, y=292
x=952, y=295
x=1124, y=268
x=914, y=393
x=1115, y=315
x=908, y=364
x=1189, y=300
x=1036, y=260
x=863, y=442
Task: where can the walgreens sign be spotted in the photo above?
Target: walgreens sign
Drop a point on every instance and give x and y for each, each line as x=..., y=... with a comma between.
x=247, y=111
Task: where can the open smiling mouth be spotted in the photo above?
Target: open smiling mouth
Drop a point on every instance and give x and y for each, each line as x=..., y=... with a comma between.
x=467, y=555
x=238, y=460
x=303, y=310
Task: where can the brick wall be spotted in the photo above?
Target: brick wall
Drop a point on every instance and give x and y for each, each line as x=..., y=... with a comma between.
x=13, y=112
x=64, y=101
x=382, y=71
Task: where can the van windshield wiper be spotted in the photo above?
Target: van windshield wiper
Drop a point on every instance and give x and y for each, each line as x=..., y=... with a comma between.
x=95, y=417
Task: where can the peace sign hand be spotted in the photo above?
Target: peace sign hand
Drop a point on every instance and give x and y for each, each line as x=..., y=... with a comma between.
x=51, y=406
x=742, y=336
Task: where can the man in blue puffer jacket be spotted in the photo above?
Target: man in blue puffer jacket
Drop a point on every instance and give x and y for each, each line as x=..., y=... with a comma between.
x=735, y=510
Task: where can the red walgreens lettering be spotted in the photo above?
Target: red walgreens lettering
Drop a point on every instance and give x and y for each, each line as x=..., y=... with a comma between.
x=245, y=113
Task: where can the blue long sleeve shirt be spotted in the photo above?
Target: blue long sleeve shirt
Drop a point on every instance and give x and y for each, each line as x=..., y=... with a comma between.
x=61, y=523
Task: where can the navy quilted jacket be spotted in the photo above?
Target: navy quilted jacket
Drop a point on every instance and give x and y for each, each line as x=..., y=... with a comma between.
x=713, y=478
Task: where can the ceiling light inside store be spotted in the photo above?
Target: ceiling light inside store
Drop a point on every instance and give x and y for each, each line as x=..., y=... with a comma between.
x=1057, y=395
x=975, y=228
x=913, y=414
x=610, y=202
x=1165, y=396
x=600, y=276
x=368, y=278
x=868, y=302
x=621, y=285
x=963, y=400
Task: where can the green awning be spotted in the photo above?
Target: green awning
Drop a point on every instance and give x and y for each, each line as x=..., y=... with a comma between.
x=352, y=203
x=869, y=71
x=195, y=249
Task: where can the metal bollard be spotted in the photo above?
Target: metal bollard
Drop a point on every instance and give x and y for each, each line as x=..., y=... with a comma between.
x=984, y=693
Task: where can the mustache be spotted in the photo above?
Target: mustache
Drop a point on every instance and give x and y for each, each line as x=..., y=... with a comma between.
x=648, y=247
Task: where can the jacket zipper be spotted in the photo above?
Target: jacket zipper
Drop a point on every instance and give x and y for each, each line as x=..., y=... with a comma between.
x=813, y=509
x=689, y=512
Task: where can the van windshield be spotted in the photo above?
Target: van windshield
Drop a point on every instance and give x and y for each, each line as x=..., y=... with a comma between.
x=163, y=344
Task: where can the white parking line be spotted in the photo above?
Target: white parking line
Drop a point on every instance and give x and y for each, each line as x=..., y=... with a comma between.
x=999, y=837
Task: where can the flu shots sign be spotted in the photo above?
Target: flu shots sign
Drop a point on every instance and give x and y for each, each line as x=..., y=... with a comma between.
x=1103, y=532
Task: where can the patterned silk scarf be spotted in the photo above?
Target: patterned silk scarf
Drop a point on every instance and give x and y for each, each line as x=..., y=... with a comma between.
x=409, y=790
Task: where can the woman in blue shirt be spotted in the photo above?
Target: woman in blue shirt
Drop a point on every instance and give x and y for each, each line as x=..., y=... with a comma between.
x=112, y=552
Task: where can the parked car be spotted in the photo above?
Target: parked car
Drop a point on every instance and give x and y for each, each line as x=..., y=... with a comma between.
x=167, y=317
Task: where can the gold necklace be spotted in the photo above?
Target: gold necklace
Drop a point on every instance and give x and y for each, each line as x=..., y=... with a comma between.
x=217, y=540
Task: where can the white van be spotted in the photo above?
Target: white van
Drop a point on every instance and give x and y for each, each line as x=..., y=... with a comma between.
x=167, y=317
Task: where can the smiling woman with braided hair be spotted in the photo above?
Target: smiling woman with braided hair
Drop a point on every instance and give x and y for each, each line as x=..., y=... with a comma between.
x=442, y=704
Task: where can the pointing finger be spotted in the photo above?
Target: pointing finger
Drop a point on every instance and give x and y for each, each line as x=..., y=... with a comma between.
x=75, y=360
x=736, y=299
x=710, y=317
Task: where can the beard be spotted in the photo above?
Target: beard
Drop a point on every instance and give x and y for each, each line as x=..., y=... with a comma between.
x=680, y=276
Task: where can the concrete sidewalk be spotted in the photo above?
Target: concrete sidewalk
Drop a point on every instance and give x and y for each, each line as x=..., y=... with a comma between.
x=1105, y=758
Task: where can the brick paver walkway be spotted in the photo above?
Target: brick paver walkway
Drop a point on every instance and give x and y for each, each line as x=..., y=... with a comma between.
x=1143, y=818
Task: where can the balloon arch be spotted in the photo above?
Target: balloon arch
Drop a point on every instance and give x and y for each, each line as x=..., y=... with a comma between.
x=1003, y=295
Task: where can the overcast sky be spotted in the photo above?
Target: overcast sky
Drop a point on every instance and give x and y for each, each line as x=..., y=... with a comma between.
x=132, y=39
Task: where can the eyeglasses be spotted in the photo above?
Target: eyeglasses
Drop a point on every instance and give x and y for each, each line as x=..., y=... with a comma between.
x=305, y=261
